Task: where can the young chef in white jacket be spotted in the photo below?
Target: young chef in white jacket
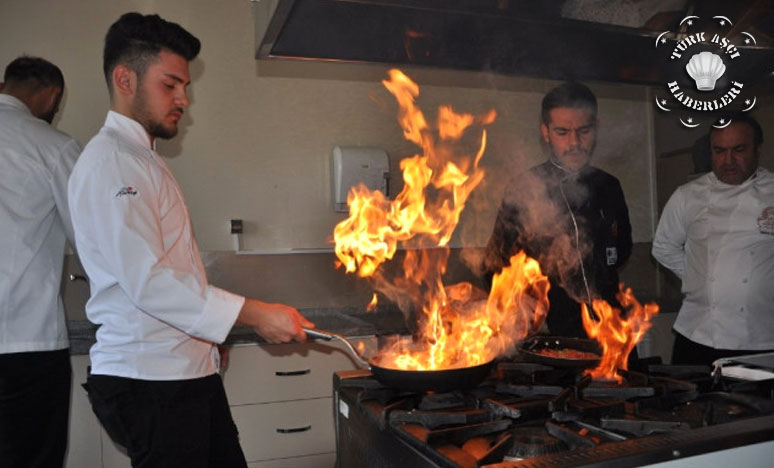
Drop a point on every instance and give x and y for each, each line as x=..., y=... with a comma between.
x=35, y=162
x=154, y=382
x=717, y=235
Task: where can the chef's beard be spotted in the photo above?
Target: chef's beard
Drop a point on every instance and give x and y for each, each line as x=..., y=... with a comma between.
x=155, y=128
x=561, y=163
x=49, y=117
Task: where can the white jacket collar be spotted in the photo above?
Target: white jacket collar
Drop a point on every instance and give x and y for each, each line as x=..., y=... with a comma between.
x=759, y=172
x=130, y=129
x=15, y=102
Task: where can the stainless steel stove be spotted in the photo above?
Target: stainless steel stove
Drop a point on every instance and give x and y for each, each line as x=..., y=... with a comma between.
x=532, y=415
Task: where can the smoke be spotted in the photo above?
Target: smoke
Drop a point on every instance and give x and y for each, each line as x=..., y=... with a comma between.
x=416, y=282
x=474, y=259
x=547, y=229
x=505, y=159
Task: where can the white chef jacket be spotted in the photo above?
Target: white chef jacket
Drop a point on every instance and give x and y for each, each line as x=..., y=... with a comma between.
x=719, y=239
x=35, y=162
x=157, y=316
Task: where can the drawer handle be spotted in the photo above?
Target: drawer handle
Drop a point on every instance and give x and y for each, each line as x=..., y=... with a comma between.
x=294, y=429
x=291, y=373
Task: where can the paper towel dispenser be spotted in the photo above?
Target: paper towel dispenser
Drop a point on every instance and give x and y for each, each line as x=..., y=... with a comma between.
x=354, y=165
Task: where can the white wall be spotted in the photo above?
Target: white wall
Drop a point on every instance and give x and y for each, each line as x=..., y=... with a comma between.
x=256, y=142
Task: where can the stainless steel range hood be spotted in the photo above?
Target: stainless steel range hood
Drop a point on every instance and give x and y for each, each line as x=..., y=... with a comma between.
x=508, y=37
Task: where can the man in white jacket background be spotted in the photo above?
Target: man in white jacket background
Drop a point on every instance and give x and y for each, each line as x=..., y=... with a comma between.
x=35, y=163
x=717, y=235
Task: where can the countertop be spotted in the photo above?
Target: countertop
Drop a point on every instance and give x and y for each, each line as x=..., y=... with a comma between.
x=348, y=321
x=351, y=322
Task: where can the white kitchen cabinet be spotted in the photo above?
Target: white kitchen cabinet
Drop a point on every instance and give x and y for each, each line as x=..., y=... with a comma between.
x=281, y=401
x=283, y=372
x=280, y=397
x=285, y=429
x=311, y=461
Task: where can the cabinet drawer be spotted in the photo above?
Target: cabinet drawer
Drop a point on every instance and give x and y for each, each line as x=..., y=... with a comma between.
x=325, y=460
x=288, y=429
x=266, y=373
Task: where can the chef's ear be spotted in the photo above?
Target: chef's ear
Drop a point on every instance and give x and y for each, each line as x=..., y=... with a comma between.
x=124, y=80
x=53, y=98
x=544, y=132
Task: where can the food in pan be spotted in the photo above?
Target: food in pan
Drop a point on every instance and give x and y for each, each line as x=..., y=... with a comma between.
x=568, y=353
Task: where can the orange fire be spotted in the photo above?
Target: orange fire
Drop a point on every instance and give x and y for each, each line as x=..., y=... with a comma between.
x=617, y=335
x=459, y=325
x=470, y=328
x=374, y=302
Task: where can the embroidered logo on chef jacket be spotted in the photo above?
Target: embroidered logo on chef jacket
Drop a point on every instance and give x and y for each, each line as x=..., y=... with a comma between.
x=612, y=255
x=123, y=191
x=766, y=220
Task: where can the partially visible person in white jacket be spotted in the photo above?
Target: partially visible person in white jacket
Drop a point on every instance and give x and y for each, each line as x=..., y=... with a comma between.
x=35, y=163
x=717, y=235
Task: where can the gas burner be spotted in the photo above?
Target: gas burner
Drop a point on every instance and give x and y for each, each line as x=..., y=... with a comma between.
x=720, y=407
x=640, y=427
x=529, y=414
x=438, y=401
x=437, y=419
x=532, y=373
x=618, y=391
x=533, y=441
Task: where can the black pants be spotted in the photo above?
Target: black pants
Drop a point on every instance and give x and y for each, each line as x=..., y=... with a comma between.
x=686, y=351
x=34, y=408
x=168, y=424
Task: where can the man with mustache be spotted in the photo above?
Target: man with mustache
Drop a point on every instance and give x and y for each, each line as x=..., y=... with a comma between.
x=717, y=235
x=154, y=382
x=570, y=216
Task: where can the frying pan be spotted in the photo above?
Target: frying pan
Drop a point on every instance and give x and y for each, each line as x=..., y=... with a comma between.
x=531, y=347
x=418, y=381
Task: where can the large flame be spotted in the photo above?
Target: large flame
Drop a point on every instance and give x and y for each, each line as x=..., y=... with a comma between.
x=371, y=234
x=458, y=325
x=616, y=334
x=465, y=328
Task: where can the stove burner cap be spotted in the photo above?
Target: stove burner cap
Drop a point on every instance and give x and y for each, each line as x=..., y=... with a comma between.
x=534, y=441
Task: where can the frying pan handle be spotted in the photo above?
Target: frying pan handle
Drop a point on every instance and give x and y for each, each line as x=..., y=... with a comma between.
x=328, y=336
x=318, y=334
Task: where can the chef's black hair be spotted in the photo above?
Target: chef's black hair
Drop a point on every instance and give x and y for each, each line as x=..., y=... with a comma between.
x=135, y=40
x=33, y=71
x=569, y=94
x=743, y=117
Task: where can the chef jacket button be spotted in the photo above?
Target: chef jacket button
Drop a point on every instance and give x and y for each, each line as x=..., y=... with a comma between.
x=744, y=280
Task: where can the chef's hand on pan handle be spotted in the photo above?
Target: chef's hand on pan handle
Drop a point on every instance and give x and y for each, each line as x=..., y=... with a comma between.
x=276, y=323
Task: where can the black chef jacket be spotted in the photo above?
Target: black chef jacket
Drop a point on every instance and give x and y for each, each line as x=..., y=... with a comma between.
x=545, y=232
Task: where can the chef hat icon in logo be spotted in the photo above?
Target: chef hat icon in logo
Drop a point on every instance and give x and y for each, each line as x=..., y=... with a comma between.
x=705, y=68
